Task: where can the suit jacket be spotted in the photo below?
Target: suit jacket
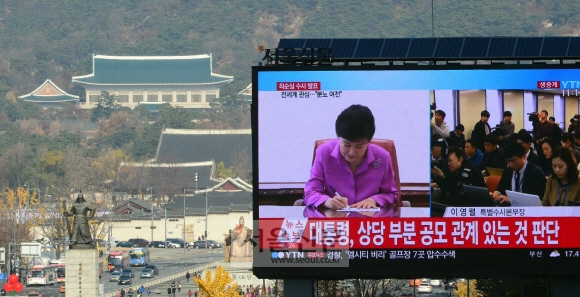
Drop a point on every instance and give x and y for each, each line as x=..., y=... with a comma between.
x=534, y=159
x=534, y=181
x=374, y=177
x=478, y=133
x=496, y=159
x=551, y=195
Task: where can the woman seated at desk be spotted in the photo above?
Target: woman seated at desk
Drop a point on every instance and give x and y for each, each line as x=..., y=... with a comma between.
x=548, y=146
x=350, y=171
x=563, y=185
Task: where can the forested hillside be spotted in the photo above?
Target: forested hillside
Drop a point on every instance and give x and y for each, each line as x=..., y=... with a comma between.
x=42, y=39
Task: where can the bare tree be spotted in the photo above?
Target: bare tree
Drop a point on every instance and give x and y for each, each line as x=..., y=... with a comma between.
x=14, y=163
x=76, y=170
x=242, y=162
x=53, y=225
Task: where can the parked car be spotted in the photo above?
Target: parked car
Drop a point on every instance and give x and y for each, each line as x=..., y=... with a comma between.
x=154, y=268
x=424, y=288
x=211, y=244
x=128, y=272
x=177, y=240
x=140, y=242
x=125, y=280
x=146, y=273
x=115, y=276
x=435, y=283
x=157, y=244
x=173, y=244
x=126, y=244
x=34, y=294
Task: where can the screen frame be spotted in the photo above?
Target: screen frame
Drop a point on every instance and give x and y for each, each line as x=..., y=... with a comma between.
x=453, y=268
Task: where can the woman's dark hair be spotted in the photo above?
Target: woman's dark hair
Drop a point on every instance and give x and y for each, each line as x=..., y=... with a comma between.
x=566, y=155
x=355, y=123
x=551, y=142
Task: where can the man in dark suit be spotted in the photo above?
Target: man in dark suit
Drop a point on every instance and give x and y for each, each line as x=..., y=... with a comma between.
x=525, y=138
x=520, y=176
x=481, y=129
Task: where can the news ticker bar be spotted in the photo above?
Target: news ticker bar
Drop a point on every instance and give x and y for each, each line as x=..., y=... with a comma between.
x=420, y=233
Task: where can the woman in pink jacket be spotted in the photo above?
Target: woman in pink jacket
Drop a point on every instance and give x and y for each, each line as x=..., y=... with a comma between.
x=350, y=171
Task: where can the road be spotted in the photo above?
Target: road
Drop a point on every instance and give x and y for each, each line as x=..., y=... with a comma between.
x=169, y=261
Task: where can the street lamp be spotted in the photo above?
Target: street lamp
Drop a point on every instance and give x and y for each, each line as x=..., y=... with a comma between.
x=206, y=241
x=152, y=207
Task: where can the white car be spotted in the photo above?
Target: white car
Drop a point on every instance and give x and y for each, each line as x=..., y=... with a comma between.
x=425, y=288
x=170, y=244
x=435, y=283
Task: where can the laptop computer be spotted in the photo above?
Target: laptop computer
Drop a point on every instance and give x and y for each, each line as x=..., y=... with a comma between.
x=522, y=199
x=478, y=196
x=494, y=171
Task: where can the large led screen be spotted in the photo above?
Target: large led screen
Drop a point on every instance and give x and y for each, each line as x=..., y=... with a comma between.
x=333, y=198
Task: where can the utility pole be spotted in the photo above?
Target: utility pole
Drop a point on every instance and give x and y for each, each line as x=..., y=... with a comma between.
x=206, y=241
x=184, y=245
x=152, y=207
x=165, y=244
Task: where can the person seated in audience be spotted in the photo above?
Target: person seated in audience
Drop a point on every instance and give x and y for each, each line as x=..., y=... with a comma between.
x=351, y=171
x=458, y=172
x=439, y=128
x=548, y=145
x=563, y=184
x=439, y=152
x=473, y=154
x=568, y=141
x=520, y=176
x=481, y=129
x=577, y=139
x=573, y=127
x=525, y=138
x=458, y=136
x=493, y=156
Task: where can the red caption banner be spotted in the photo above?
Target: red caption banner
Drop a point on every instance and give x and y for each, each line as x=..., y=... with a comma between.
x=418, y=233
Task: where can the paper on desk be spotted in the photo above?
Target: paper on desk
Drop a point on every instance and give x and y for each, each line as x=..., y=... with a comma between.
x=361, y=209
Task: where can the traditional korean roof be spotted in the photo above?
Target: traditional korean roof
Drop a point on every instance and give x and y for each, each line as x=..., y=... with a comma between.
x=152, y=70
x=214, y=199
x=247, y=93
x=193, y=145
x=48, y=92
x=230, y=185
x=181, y=175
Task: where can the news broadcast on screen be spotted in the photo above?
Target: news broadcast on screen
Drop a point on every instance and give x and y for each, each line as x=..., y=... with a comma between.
x=356, y=168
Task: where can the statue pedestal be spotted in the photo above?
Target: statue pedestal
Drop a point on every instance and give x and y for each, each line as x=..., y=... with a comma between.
x=82, y=273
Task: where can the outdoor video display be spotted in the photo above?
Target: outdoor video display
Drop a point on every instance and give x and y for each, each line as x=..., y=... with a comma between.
x=345, y=185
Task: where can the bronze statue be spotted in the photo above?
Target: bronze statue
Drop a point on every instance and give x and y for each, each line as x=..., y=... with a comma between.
x=83, y=212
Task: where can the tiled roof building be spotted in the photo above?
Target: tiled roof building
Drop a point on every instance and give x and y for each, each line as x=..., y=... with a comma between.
x=185, y=81
x=49, y=95
x=191, y=145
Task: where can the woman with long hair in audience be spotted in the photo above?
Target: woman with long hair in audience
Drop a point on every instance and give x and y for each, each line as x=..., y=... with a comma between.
x=563, y=184
x=547, y=147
